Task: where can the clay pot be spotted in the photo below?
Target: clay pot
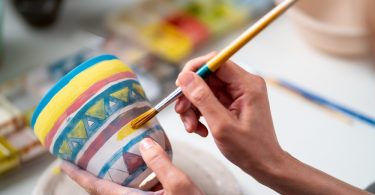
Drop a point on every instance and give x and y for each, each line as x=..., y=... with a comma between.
x=333, y=26
x=85, y=117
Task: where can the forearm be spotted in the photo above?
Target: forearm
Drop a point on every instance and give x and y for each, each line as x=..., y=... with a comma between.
x=290, y=176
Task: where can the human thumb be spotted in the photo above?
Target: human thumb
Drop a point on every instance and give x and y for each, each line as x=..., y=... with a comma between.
x=157, y=160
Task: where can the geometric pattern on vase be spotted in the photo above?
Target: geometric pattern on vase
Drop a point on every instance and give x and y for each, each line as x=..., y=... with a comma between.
x=84, y=119
x=133, y=161
x=96, y=114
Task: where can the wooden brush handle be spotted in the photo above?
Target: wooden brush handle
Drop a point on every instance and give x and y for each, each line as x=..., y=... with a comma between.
x=213, y=64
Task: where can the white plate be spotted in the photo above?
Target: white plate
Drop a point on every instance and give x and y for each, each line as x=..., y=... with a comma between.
x=206, y=171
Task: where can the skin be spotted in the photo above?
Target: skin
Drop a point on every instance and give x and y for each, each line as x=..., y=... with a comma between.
x=230, y=100
x=172, y=179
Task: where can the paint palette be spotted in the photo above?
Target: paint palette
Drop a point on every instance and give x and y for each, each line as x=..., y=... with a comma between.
x=84, y=119
x=173, y=30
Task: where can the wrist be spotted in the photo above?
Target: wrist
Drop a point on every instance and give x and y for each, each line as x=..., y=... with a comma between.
x=287, y=175
x=272, y=169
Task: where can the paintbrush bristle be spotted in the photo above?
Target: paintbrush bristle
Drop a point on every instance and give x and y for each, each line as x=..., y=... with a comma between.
x=143, y=118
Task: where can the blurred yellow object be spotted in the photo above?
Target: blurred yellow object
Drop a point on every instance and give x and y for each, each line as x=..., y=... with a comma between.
x=28, y=114
x=56, y=170
x=166, y=41
x=11, y=118
x=173, y=29
x=9, y=157
x=221, y=17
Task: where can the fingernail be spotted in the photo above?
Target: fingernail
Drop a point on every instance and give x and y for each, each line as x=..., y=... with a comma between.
x=185, y=78
x=177, y=83
x=147, y=143
x=186, y=124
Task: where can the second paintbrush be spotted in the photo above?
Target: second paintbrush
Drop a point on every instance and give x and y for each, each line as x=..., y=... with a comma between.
x=213, y=64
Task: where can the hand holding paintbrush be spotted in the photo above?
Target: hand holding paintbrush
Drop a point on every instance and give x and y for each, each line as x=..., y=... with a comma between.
x=214, y=63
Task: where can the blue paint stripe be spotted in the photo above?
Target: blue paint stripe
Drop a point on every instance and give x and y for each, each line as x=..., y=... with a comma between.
x=81, y=114
x=130, y=144
x=325, y=102
x=131, y=177
x=64, y=81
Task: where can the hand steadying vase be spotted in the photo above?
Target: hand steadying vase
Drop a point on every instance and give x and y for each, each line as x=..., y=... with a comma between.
x=84, y=119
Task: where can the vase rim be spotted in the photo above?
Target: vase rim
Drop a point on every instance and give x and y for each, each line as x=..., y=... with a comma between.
x=65, y=80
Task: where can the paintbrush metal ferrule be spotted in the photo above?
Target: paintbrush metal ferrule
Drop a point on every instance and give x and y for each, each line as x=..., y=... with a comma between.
x=143, y=118
x=168, y=100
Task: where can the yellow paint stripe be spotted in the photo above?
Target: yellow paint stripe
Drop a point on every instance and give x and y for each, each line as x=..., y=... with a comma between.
x=125, y=131
x=67, y=95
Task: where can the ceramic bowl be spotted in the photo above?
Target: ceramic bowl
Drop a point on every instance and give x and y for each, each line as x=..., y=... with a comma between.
x=333, y=26
x=85, y=117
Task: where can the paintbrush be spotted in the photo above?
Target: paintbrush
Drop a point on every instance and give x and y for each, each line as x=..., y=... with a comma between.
x=214, y=63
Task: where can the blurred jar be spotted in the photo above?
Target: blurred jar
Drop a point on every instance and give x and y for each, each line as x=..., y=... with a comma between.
x=38, y=13
x=334, y=26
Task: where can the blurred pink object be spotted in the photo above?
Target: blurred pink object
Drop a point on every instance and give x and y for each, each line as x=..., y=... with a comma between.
x=334, y=26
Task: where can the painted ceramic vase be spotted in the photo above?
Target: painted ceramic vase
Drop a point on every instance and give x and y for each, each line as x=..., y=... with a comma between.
x=85, y=117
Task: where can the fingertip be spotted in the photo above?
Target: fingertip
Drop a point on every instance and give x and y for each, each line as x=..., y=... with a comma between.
x=195, y=63
x=146, y=144
x=156, y=159
x=189, y=120
x=177, y=83
x=67, y=166
x=186, y=124
x=202, y=130
x=202, y=133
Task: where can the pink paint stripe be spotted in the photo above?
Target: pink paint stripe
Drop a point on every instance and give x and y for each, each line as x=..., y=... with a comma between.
x=108, y=132
x=82, y=99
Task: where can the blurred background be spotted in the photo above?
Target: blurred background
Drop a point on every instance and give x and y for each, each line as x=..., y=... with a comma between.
x=325, y=47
